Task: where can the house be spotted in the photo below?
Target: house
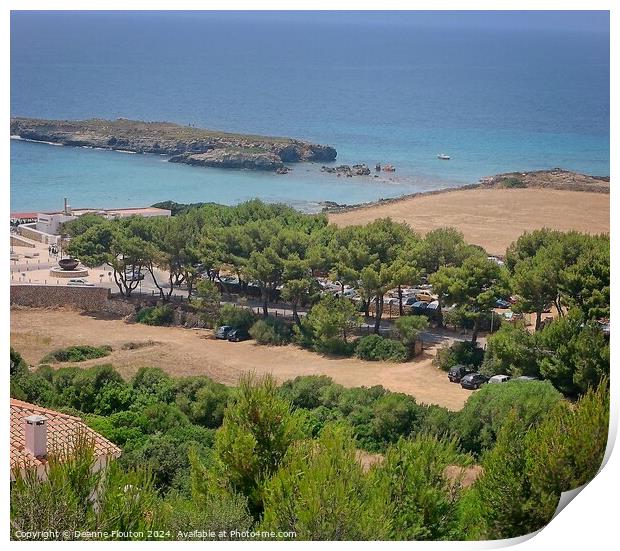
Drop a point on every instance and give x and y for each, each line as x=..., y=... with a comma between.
x=37, y=432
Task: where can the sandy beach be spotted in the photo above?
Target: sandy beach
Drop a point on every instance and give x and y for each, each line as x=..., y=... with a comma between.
x=491, y=218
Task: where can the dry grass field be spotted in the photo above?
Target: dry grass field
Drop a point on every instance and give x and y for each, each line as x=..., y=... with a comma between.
x=183, y=352
x=492, y=218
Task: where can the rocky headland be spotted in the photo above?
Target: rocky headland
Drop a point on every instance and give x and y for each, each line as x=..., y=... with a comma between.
x=182, y=144
x=557, y=178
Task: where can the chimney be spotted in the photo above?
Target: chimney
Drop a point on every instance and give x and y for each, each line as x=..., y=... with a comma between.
x=36, y=435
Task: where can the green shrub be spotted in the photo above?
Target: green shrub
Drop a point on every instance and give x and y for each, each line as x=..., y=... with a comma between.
x=334, y=347
x=513, y=182
x=33, y=388
x=18, y=366
x=329, y=325
x=271, y=331
x=459, y=353
x=77, y=353
x=307, y=391
x=156, y=315
x=243, y=318
x=152, y=384
x=377, y=348
x=407, y=329
x=486, y=411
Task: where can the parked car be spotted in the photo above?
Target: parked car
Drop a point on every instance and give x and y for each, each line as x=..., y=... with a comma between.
x=134, y=276
x=499, y=379
x=474, y=381
x=502, y=304
x=425, y=295
x=419, y=307
x=511, y=316
x=223, y=332
x=457, y=372
x=497, y=261
x=80, y=282
x=239, y=334
x=526, y=378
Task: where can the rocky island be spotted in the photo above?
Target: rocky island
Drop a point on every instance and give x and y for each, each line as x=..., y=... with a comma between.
x=182, y=144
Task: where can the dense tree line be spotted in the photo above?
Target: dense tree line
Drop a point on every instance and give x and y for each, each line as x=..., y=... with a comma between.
x=283, y=252
x=200, y=456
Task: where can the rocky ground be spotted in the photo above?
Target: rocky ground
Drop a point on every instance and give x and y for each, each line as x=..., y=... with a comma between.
x=184, y=144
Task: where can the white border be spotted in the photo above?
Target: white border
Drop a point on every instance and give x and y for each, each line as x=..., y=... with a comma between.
x=587, y=522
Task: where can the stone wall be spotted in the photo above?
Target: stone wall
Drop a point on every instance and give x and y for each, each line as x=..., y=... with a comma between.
x=18, y=241
x=87, y=299
x=28, y=231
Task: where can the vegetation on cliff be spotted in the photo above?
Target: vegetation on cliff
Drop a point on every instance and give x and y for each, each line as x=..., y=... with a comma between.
x=184, y=144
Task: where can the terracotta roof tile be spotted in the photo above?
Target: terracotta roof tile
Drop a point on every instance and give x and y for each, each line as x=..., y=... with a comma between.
x=62, y=433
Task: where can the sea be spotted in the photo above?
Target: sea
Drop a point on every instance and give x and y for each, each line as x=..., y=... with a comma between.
x=495, y=91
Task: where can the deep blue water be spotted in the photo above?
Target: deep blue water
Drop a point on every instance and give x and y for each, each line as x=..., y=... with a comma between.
x=395, y=88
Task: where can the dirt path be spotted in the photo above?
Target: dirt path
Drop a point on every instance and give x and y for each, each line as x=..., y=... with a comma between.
x=492, y=218
x=183, y=352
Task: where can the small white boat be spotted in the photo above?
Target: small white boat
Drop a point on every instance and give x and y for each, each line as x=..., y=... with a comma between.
x=443, y=157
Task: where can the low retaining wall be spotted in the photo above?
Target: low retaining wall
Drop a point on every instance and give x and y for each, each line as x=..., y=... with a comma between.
x=87, y=299
x=27, y=230
x=21, y=241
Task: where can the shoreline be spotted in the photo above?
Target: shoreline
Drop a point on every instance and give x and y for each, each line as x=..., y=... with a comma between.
x=586, y=184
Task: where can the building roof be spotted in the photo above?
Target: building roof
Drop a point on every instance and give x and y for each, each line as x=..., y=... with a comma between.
x=63, y=431
x=24, y=215
x=130, y=211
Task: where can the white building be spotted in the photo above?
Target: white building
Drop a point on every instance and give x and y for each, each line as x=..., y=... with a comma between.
x=46, y=229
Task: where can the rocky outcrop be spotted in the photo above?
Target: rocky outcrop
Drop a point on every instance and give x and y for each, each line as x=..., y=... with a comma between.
x=184, y=144
x=226, y=158
x=346, y=170
x=557, y=178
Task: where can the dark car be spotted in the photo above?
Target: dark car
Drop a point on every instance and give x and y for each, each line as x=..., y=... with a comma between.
x=457, y=372
x=474, y=381
x=223, y=331
x=502, y=304
x=237, y=335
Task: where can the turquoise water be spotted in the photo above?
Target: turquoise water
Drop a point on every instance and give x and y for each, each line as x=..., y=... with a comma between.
x=389, y=88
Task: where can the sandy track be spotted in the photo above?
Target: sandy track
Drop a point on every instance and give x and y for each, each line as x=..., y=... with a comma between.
x=183, y=352
x=492, y=218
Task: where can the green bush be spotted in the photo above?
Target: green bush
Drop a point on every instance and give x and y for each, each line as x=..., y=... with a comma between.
x=513, y=182
x=243, y=318
x=486, y=411
x=77, y=353
x=334, y=346
x=307, y=391
x=156, y=315
x=18, y=365
x=377, y=348
x=152, y=384
x=271, y=331
x=459, y=353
